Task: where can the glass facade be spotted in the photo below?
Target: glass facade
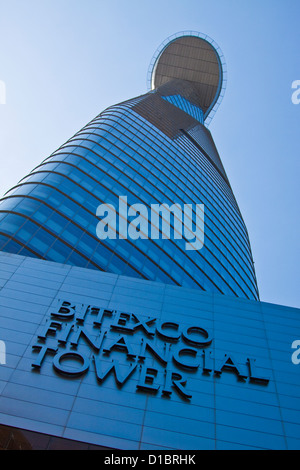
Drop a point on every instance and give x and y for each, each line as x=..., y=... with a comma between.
x=92, y=354
x=224, y=406
x=154, y=149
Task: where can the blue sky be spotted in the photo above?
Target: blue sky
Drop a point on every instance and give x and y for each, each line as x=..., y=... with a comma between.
x=64, y=61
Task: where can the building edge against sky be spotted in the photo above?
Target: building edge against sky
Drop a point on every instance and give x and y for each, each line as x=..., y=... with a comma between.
x=138, y=343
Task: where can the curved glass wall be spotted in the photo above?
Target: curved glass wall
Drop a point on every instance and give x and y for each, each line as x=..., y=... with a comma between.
x=51, y=213
x=153, y=149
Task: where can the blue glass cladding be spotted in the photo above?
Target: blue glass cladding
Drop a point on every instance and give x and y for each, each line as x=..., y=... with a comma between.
x=224, y=412
x=51, y=213
x=186, y=106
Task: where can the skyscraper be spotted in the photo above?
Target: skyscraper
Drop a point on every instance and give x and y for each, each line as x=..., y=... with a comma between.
x=129, y=309
x=153, y=149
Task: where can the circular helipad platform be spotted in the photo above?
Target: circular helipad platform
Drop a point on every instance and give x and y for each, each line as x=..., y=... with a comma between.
x=193, y=58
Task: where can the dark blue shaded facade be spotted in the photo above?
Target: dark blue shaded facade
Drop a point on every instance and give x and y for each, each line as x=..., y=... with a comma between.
x=218, y=407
